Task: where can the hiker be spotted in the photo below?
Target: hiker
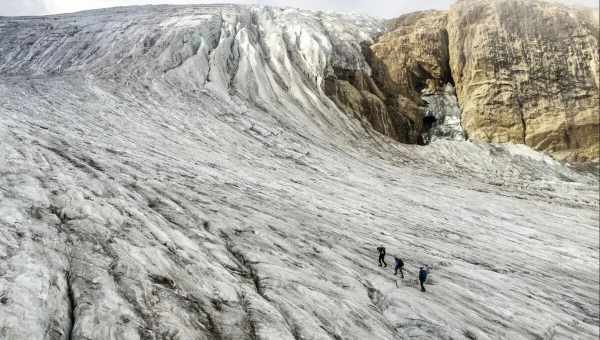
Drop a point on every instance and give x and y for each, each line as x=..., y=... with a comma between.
x=399, y=266
x=422, y=277
x=381, y=251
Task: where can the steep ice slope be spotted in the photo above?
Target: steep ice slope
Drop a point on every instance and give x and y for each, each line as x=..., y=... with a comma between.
x=274, y=58
x=198, y=185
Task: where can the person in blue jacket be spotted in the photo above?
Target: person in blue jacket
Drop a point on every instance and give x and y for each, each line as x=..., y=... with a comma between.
x=422, y=277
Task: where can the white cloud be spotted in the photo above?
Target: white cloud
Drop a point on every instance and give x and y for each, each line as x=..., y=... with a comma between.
x=22, y=7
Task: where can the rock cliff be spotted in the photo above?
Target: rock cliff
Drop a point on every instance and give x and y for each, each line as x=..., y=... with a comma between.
x=527, y=72
x=411, y=56
x=410, y=61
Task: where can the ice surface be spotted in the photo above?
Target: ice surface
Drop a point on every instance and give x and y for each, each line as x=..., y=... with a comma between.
x=192, y=181
x=443, y=106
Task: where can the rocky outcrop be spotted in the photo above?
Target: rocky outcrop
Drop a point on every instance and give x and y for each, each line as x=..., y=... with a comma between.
x=527, y=72
x=355, y=92
x=411, y=58
x=412, y=55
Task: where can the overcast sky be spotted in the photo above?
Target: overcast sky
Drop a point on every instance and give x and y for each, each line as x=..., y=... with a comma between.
x=381, y=8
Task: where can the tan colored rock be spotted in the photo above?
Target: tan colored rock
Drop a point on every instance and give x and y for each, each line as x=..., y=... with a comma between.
x=414, y=51
x=527, y=72
x=357, y=93
x=363, y=104
x=411, y=56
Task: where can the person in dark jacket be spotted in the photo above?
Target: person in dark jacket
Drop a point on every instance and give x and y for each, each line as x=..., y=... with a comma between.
x=399, y=267
x=422, y=277
x=381, y=251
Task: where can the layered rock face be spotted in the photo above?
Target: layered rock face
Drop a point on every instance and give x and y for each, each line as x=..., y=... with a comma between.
x=411, y=55
x=410, y=61
x=527, y=72
x=415, y=50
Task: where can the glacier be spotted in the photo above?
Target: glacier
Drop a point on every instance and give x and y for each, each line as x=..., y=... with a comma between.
x=177, y=172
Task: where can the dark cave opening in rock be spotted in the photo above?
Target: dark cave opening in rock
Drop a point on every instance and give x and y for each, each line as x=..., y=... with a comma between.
x=420, y=77
x=428, y=122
